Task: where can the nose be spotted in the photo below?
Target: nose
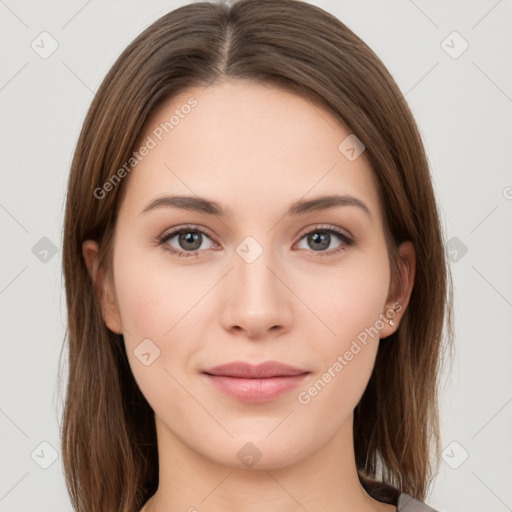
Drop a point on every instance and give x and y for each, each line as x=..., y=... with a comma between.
x=256, y=300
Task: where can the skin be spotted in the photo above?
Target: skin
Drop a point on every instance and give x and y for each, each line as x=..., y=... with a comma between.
x=254, y=149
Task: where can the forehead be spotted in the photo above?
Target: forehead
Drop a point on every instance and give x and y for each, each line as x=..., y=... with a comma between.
x=249, y=146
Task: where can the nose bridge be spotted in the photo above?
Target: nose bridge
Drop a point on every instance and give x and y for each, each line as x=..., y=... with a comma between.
x=257, y=299
x=252, y=274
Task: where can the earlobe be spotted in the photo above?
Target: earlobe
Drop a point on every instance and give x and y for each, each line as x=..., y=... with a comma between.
x=103, y=288
x=401, y=291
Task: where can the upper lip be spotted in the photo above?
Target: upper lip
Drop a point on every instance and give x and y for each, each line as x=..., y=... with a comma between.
x=264, y=370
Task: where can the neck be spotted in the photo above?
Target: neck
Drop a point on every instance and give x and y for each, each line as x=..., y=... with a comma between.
x=325, y=480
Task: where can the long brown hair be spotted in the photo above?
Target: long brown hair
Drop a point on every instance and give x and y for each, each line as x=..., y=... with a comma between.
x=109, y=444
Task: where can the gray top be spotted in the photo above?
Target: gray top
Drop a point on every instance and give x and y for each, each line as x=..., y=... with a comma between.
x=407, y=503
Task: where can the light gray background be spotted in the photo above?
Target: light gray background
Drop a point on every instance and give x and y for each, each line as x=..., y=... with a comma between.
x=463, y=107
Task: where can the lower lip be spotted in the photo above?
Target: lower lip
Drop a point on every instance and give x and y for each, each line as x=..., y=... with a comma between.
x=255, y=390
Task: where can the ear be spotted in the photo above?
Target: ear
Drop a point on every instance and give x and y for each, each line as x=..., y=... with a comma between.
x=103, y=288
x=400, y=293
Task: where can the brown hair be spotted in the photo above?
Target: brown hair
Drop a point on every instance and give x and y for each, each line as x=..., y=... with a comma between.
x=108, y=433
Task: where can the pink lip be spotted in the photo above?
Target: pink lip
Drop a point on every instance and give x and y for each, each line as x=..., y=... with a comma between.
x=254, y=384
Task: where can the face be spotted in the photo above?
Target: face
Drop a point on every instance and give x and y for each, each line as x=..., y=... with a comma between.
x=196, y=288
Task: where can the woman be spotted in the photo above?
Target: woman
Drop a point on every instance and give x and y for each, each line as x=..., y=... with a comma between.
x=256, y=283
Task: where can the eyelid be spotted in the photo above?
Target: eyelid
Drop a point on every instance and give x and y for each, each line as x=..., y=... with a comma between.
x=321, y=227
x=301, y=233
x=191, y=227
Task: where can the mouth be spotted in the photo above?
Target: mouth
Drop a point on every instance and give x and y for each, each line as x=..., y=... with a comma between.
x=255, y=384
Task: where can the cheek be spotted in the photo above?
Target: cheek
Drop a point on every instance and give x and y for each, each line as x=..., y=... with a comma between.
x=151, y=311
x=160, y=314
x=155, y=298
x=349, y=305
x=348, y=299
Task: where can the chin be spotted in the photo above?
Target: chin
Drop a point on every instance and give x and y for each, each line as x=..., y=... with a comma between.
x=257, y=452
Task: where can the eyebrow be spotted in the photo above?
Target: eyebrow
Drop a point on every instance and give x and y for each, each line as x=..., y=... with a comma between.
x=300, y=207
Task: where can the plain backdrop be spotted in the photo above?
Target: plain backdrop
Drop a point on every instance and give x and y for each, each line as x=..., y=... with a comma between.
x=451, y=59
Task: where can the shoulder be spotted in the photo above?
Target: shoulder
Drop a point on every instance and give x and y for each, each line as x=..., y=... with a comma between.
x=407, y=503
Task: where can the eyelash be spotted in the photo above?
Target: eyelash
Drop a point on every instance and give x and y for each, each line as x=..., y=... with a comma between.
x=346, y=240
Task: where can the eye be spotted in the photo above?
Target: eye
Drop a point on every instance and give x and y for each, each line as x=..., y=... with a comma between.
x=320, y=238
x=188, y=241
